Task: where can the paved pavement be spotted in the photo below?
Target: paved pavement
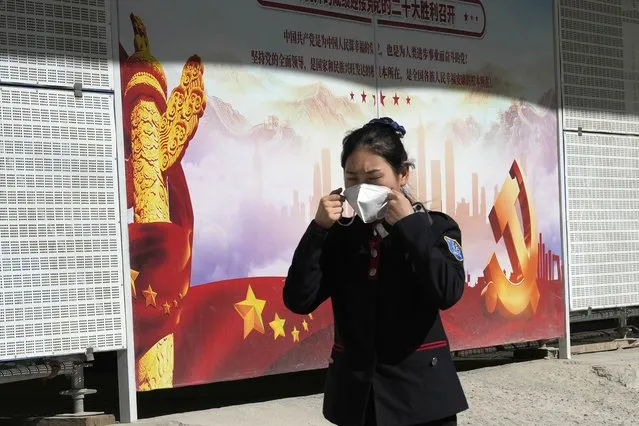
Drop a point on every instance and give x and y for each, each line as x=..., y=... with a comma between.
x=592, y=389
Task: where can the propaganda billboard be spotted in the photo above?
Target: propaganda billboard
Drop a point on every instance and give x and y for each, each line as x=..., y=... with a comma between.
x=233, y=118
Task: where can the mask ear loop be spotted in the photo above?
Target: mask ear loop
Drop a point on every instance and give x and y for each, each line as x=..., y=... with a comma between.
x=350, y=222
x=339, y=222
x=404, y=189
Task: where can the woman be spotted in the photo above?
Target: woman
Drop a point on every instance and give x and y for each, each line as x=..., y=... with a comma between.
x=388, y=272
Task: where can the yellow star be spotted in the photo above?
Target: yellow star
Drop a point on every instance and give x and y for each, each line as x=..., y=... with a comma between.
x=167, y=308
x=250, y=309
x=149, y=296
x=296, y=334
x=175, y=303
x=278, y=327
x=310, y=316
x=134, y=275
x=305, y=325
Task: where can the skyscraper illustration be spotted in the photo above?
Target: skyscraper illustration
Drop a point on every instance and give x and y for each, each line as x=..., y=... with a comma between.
x=421, y=162
x=436, y=184
x=326, y=171
x=450, y=177
x=482, y=206
x=475, y=196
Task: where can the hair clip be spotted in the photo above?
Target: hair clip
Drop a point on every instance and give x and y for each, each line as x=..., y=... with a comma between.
x=389, y=122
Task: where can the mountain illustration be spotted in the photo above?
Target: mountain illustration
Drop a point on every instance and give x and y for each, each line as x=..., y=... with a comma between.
x=220, y=124
x=238, y=79
x=525, y=126
x=273, y=129
x=316, y=105
x=463, y=130
x=548, y=100
x=221, y=117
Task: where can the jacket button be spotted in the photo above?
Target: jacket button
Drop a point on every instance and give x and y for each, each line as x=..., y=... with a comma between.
x=373, y=253
x=434, y=361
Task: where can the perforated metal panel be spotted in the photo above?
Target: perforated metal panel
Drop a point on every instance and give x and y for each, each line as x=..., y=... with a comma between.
x=602, y=180
x=61, y=279
x=600, y=64
x=56, y=43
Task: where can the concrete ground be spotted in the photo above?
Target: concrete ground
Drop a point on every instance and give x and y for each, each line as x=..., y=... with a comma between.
x=593, y=389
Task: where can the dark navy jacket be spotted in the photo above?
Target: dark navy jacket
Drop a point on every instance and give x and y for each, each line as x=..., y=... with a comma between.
x=386, y=295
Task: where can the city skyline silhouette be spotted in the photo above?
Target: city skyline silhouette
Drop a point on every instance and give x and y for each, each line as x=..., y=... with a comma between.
x=471, y=215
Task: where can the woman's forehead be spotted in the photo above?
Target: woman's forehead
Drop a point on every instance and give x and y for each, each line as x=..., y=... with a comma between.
x=365, y=159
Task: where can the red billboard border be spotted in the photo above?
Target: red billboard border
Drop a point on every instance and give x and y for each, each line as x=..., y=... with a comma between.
x=312, y=11
x=382, y=22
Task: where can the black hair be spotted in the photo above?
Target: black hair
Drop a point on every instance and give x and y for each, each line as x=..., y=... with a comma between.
x=383, y=136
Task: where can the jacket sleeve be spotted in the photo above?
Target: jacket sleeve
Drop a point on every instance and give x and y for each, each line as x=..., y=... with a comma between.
x=436, y=253
x=310, y=275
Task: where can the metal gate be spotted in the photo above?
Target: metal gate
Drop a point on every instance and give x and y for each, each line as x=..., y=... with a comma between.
x=61, y=259
x=599, y=48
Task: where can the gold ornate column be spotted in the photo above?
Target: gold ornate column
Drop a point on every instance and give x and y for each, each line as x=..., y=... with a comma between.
x=157, y=133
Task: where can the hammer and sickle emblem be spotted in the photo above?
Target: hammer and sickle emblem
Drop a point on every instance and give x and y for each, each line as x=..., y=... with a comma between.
x=519, y=295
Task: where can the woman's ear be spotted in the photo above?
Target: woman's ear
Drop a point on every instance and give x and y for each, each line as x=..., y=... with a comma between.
x=403, y=176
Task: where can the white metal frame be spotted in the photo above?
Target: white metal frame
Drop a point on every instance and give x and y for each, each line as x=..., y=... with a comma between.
x=51, y=308
x=37, y=73
x=564, y=342
x=127, y=387
x=39, y=76
x=606, y=124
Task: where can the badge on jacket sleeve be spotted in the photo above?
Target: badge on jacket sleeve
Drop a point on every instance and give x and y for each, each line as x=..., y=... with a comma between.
x=455, y=248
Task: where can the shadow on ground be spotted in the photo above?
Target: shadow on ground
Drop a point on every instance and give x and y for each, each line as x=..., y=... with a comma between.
x=41, y=397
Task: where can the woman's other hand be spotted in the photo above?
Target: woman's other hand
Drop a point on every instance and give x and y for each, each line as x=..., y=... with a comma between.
x=399, y=206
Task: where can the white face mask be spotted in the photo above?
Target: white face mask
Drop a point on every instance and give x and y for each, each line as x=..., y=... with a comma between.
x=370, y=202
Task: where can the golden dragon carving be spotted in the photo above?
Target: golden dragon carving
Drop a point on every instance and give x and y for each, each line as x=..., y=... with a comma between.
x=160, y=129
